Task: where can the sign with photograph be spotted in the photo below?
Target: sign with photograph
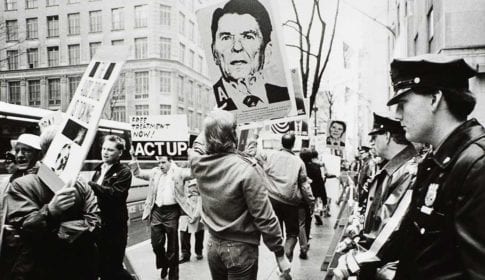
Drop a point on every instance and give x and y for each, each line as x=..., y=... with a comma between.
x=336, y=137
x=163, y=135
x=70, y=146
x=244, y=49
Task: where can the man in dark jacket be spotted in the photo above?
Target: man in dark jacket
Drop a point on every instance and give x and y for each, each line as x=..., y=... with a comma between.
x=443, y=234
x=111, y=183
x=54, y=230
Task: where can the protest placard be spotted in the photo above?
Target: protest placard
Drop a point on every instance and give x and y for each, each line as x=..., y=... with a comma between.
x=246, y=62
x=166, y=135
x=64, y=159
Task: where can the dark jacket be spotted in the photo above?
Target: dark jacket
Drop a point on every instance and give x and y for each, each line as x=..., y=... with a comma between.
x=51, y=247
x=443, y=234
x=273, y=93
x=318, y=182
x=112, y=194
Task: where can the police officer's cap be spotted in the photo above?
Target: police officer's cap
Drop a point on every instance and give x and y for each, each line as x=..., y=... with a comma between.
x=428, y=71
x=385, y=124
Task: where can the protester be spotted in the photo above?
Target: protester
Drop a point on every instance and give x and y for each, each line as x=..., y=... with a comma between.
x=386, y=189
x=235, y=204
x=27, y=153
x=288, y=189
x=53, y=231
x=191, y=225
x=163, y=212
x=111, y=182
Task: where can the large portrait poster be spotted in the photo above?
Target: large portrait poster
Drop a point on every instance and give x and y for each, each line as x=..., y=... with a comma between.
x=336, y=137
x=244, y=50
x=64, y=159
x=162, y=135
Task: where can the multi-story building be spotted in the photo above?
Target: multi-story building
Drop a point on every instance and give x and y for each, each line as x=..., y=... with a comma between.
x=46, y=46
x=452, y=27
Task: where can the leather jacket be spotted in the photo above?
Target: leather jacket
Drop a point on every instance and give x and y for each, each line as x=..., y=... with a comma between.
x=443, y=234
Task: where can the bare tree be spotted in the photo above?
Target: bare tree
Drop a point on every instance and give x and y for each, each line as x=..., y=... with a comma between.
x=331, y=100
x=313, y=59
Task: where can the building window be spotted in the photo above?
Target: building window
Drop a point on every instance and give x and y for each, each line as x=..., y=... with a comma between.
x=180, y=110
x=140, y=48
x=117, y=19
x=32, y=28
x=165, y=15
x=13, y=59
x=192, y=58
x=54, y=91
x=430, y=23
x=141, y=110
x=200, y=64
x=192, y=31
x=34, y=93
x=118, y=91
x=117, y=42
x=33, y=58
x=180, y=88
x=141, y=85
x=74, y=52
x=119, y=113
x=53, y=26
x=10, y=5
x=182, y=53
x=165, y=47
x=51, y=3
x=165, y=82
x=140, y=16
x=31, y=4
x=95, y=21
x=92, y=48
x=190, y=93
x=73, y=83
x=165, y=109
x=398, y=20
x=12, y=30
x=14, y=92
x=53, y=56
x=73, y=24
x=181, y=23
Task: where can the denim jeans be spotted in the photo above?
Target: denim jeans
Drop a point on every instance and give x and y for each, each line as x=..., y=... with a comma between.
x=232, y=260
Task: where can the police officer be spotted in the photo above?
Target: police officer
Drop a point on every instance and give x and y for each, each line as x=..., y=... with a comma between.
x=443, y=234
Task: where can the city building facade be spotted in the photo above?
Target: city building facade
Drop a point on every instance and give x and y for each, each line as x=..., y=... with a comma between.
x=46, y=46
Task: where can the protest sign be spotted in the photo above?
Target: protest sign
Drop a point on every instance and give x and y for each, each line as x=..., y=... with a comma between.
x=166, y=135
x=246, y=62
x=64, y=159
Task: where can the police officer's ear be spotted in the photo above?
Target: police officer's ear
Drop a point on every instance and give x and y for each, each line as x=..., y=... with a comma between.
x=436, y=98
x=388, y=137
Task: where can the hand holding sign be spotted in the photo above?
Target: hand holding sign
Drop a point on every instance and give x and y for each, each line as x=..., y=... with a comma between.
x=63, y=199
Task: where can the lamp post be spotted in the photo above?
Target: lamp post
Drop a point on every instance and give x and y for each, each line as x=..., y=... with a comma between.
x=315, y=109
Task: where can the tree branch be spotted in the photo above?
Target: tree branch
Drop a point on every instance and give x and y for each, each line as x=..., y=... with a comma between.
x=305, y=51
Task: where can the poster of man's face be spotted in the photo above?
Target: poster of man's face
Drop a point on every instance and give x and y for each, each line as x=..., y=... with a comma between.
x=245, y=60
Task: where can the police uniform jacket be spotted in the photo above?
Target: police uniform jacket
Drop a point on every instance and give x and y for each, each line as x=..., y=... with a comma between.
x=443, y=234
x=387, y=188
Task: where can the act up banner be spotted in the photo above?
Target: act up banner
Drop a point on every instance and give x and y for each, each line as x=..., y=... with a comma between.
x=163, y=135
x=64, y=159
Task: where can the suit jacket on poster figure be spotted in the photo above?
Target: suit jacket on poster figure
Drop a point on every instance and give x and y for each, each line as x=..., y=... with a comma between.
x=443, y=234
x=52, y=247
x=112, y=194
x=274, y=94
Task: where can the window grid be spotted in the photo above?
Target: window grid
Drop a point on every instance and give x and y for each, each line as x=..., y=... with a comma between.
x=182, y=53
x=33, y=58
x=95, y=21
x=53, y=56
x=165, y=109
x=140, y=16
x=181, y=23
x=141, y=110
x=192, y=58
x=165, y=82
x=54, y=88
x=13, y=59
x=165, y=13
x=53, y=26
x=32, y=28
x=117, y=42
x=51, y=3
x=14, y=92
x=117, y=19
x=74, y=52
x=119, y=113
x=92, y=48
x=190, y=93
x=73, y=21
x=141, y=85
x=192, y=31
x=180, y=89
x=12, y=30
x=10, y=5
x=31, y=4
x=119, y=90
x=165, y=47
x=34, y=93
x=73, y=83
x=140, y=48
